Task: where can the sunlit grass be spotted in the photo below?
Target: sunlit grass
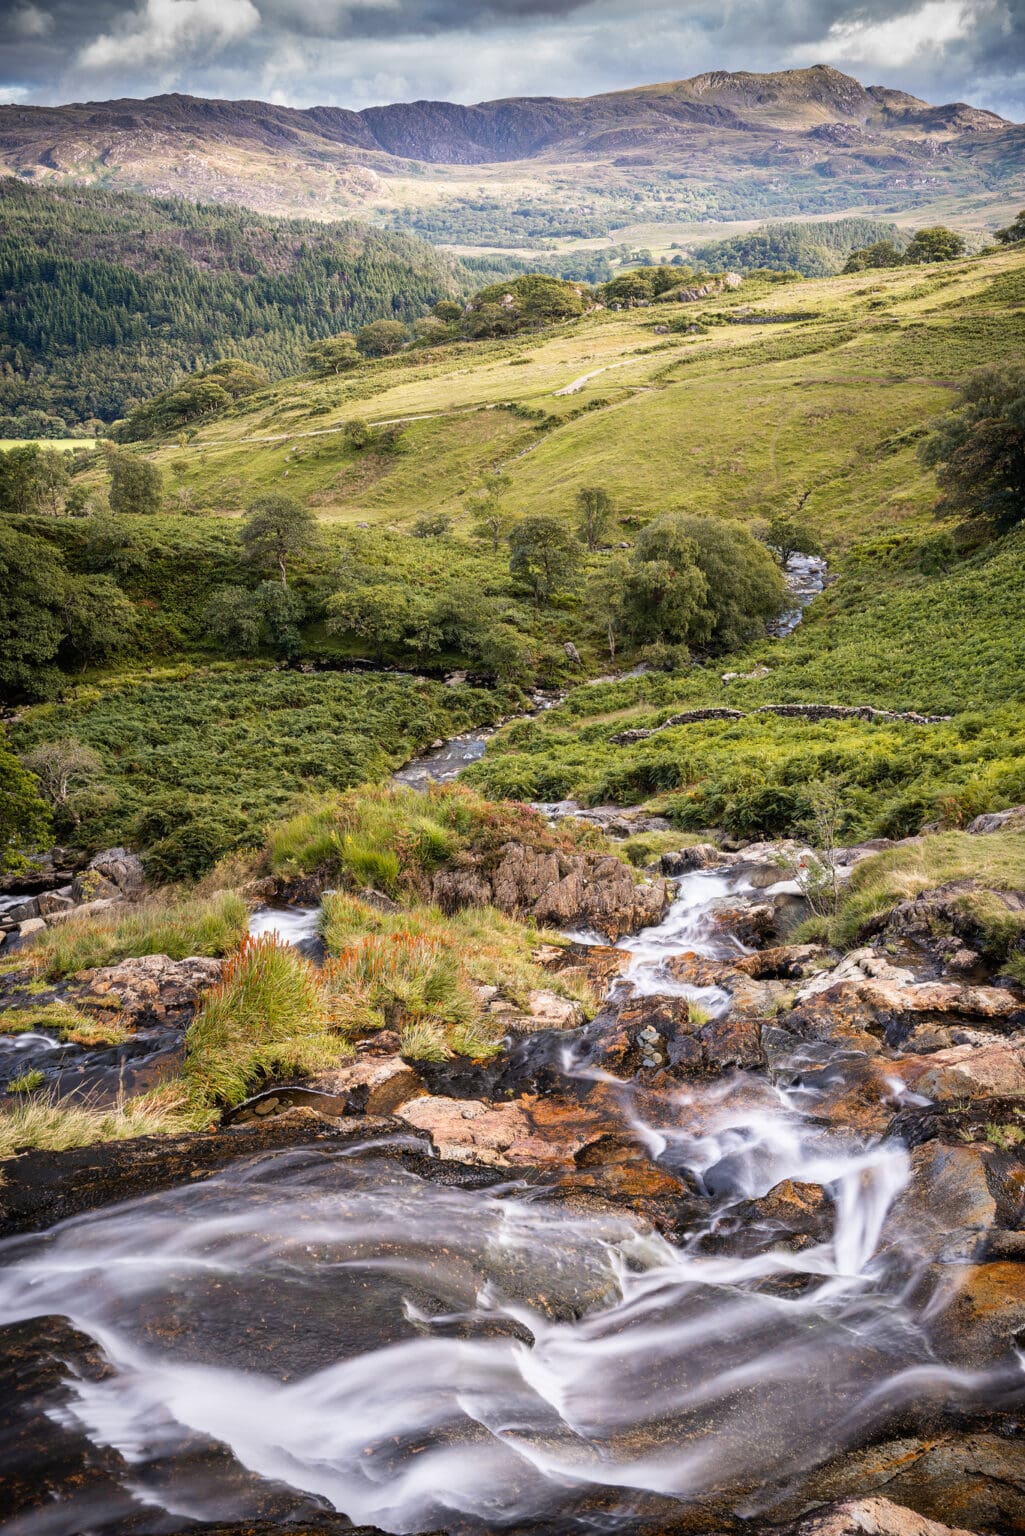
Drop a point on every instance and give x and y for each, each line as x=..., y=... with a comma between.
x=179, y=928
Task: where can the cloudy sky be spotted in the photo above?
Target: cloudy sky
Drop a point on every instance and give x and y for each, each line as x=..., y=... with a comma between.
x=361, y=52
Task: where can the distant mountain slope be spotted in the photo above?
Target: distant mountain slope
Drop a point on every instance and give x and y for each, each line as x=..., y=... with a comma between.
x=107, y=298
x=524, y=170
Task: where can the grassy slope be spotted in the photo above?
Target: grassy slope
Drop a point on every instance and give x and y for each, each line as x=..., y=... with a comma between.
x=739, y=422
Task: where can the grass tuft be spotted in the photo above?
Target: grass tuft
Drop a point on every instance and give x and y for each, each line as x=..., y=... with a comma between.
x=212, y=925
x=265, y=1018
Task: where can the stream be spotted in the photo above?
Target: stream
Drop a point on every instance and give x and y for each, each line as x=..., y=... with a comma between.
x=340, y=1329
x=324, y=1329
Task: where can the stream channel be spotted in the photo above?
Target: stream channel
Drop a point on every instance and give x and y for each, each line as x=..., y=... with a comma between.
x=336, y=1329
x=330, y=1329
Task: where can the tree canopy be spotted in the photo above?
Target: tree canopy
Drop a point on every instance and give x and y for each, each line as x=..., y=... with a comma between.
x=978, y=449
x=275, y=529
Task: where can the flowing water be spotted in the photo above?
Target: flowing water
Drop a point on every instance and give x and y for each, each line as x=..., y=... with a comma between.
x=330, y=1329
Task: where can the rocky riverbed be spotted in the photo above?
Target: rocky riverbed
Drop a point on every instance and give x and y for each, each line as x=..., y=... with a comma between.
x=749, y=1241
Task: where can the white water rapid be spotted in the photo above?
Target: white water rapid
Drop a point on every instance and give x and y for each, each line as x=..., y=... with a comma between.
x=329, y=1329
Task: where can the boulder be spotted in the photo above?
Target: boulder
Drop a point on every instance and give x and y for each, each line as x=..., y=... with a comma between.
x=29, y=928
x=998, y=821
x=591, y=891
x=150, y=990
x=785, y=962
x=547, y=1010
x=870, y=1516
x=699, y=856
x=122, y=869
x=91, y=886
x=968, y=1072
x=474, y=1131
x=766, y=864
x=85, y=910
x=51, y=902
x=372, y=1084
x=24, y=911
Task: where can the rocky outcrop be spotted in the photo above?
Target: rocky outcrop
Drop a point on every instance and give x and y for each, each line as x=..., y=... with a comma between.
x=1012, y=820
x=557, y=888
x=150, y=990
x=787, y=711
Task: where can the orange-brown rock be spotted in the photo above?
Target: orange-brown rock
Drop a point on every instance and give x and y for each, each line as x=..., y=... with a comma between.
x=525, y=1132
x=968, y=1072
x=373, y=1085
x=871, y=1516
x=985, y=1317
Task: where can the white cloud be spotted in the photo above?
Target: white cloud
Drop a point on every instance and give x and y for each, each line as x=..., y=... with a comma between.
x=896, y=42
x=31, y=21
x=164, y=31
x=10, y=95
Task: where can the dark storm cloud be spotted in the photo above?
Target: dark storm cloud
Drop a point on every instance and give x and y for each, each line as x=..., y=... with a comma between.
x=355, y=52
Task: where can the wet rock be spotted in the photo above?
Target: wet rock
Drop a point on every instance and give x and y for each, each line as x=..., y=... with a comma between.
x=40, y=1189
x=24, y=911
x=600, y=965
x=699, y=856
x=973, y=1481
x=616, y=1168
x=150, y=990
x=279, y=1101
x=372, y=1085
x=985, y=1316
x=872, y=1516
x=757, y=925
x=749, y=998
x=785, y=962
x=947, y=1206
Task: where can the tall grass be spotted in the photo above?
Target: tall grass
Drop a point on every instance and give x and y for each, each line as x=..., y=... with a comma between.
x=265, y=1018
x=46, y=1124
x=992, y=862
x=418, y=971
x=212, y=925
x=392, y=838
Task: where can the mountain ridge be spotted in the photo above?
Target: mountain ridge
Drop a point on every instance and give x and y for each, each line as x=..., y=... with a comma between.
x=720, y=145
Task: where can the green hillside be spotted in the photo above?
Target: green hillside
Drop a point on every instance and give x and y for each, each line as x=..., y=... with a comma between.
x=754, y=402
x=106, y=298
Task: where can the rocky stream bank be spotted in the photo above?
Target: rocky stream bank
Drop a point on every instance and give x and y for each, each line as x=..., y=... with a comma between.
x=742, y=1251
